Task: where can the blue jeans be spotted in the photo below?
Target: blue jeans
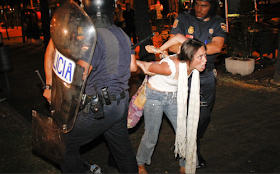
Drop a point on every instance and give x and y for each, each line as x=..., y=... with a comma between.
x=114, y=128
x=157, y=103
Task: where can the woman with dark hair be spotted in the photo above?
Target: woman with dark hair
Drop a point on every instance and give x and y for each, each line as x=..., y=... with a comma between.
x=167, y=92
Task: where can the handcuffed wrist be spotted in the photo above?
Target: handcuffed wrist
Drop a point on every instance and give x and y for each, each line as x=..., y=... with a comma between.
x=155, y=50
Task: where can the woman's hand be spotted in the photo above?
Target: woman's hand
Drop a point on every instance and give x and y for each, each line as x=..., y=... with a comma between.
x=152, y=49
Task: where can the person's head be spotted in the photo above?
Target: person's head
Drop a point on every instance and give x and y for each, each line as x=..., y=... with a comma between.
x=127, y=6
x=165, y=34
x=100, y=11
x=205, y=8
x=193, y=52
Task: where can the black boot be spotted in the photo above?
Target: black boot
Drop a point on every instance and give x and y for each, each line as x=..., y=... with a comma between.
x=201, y=161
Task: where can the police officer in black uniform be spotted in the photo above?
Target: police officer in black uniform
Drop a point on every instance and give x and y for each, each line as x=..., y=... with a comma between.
x=202, y=23
x=110, y=70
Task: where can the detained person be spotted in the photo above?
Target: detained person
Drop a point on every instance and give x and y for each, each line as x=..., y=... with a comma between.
x=167, y=92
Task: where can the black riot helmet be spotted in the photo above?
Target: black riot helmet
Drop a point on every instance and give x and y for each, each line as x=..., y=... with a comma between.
x=100, y=11
x=213, y=10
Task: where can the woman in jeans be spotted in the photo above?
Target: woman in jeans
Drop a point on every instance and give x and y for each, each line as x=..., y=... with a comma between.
x=161, y=93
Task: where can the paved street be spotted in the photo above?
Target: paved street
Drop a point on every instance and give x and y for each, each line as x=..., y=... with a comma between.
x=242, y=136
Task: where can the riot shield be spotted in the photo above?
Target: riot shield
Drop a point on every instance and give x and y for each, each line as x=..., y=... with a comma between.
x=74, y=37
x=47, y=137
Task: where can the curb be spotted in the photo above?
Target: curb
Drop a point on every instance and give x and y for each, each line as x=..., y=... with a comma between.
x=239, y=83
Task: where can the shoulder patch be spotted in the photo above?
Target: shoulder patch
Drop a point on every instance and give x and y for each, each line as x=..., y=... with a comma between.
x=175, y=23
x=224, y=27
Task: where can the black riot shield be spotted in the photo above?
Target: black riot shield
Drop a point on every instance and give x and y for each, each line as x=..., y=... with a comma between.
x=74, y=37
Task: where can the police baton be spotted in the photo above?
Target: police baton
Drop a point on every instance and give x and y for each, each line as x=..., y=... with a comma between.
x=40, y=77
x=144, y=40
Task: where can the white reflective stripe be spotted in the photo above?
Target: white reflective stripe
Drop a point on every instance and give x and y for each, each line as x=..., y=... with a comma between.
x=63, y=67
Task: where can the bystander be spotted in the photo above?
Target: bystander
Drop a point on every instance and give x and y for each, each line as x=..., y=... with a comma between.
x=129, y=16
x=119, y=20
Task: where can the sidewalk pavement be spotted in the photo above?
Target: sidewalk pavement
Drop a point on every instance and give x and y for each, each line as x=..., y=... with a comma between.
x=242, y=136
x=11, y=32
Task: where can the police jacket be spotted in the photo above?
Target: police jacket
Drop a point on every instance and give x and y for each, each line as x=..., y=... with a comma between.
x=191, y=27
x=110, y=62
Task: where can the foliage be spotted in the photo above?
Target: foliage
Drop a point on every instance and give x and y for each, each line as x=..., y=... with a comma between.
x=240, y=41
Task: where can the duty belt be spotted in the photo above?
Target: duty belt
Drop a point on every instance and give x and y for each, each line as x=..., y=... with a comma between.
x=114, y=97
x=88, y=98
x=208, y=69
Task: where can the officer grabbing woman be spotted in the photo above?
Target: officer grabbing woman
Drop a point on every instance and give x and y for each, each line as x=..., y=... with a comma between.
x=109, y=72
x=203, y=24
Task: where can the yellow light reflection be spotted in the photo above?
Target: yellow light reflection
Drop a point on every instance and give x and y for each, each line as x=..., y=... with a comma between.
x=66, y=85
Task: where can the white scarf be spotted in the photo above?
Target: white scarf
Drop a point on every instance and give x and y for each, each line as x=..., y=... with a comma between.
x=185, y=143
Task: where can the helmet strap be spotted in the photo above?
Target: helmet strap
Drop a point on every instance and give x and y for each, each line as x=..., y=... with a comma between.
x=202, y=19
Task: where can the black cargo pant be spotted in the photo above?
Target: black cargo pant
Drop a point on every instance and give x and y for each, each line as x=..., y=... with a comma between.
x=114, y=128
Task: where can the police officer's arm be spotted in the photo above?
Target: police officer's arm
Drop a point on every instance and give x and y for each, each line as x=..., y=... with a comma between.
x=212, y=48
x=174, y=48
x=176, y=40
x=48, y=69
x=215, y=46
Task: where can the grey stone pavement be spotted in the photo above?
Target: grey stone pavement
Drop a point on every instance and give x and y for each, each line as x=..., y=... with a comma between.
x=242, y=137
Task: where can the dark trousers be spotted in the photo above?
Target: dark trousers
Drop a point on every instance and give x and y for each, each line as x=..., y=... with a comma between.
x=114, y=128
x=208, y=89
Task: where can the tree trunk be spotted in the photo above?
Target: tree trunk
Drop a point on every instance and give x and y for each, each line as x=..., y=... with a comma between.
x=45, y=21
x=143, y=28
x=276, y=78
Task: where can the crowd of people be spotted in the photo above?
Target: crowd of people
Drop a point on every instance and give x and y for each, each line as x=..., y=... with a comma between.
x=182, y=86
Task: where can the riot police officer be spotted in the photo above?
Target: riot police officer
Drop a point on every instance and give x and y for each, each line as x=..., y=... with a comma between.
x=202, y=23
x=106, y=90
